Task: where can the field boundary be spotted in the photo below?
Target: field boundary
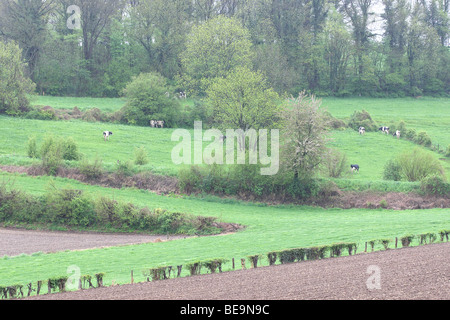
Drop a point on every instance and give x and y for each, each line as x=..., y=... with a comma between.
x=338, y=198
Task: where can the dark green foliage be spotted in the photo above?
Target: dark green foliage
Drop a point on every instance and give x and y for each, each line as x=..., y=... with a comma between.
x=392, y=171
x=91, y=169
x=244, y=180
x=435, y=185
x=362, y=119
x=73, y=208
x=150, y=98
x=423, y=139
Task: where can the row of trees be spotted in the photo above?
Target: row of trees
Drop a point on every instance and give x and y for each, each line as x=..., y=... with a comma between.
x=323, y=46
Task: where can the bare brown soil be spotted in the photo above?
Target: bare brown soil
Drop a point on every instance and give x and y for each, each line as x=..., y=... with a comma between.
x=17, y=241
x=417, y=273
x=335, y=199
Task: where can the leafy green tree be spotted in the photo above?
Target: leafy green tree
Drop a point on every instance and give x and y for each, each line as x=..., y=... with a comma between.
x=212, y=50
x=15, y=87
x=149, y=98
x=24, y=21
x=243, y=100
x=337, y=50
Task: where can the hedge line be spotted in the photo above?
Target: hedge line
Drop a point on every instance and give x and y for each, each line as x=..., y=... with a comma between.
x=53, y=284
x=73, y=208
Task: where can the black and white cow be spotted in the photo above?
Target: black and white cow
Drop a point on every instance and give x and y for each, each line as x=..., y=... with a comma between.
x=106, y=135
x=354, y=167
x=160, y=124
x=384, y=129
x=362, y=130
x=153, y=123
x=397, y=134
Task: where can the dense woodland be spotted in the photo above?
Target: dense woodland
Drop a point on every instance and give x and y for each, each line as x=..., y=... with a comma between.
x=327, y=47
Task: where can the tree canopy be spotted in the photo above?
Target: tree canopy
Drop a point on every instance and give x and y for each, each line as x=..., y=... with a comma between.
x=375, y=48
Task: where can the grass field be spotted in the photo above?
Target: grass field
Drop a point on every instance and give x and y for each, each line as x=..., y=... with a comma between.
x=428, y=114
x=268, y=228
x=371, y=151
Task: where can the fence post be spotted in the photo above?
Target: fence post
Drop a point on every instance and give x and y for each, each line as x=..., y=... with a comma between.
x=132, y=280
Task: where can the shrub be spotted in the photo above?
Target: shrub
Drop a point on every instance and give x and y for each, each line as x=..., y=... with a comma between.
x=147, y=100
x=70, y=207
x=140, y=156
x=124, y=168
x=362, y=119
x=69, y=149
x=406, y=240
x=435, y=185
x=392, y=171
x=32, y=151
x=411, y=134
x=51, y=155
x=447, y=152
x=418, y=164
x=335, y=163
x=91, y=169
x=423, y=139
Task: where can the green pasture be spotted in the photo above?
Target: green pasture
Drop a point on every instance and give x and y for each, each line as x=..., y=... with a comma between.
x=424, y=114
x=82, y=103
x=268, y=228
x=370, y=151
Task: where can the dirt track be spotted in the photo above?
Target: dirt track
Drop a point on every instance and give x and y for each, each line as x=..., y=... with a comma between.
x=404, y=274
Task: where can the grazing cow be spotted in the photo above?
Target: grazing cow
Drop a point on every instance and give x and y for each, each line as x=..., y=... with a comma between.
x=160, y=124
x=183, y=95
x=354, y=167
x=153, y=123
x=397, y=134
x=362, y=130
x=106, y=135
x=384, y=129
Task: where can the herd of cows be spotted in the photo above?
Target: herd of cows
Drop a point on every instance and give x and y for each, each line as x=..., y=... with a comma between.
x=354, y=167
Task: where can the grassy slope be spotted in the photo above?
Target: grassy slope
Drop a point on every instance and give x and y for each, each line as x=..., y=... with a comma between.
x=425, y=114
x=370, y=151
x=269, y=228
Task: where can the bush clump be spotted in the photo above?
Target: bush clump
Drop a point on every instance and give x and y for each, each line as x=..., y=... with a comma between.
x=362, y=119
x=73, y=208
x=417, y=164
x=435, y=185
x=392, y=171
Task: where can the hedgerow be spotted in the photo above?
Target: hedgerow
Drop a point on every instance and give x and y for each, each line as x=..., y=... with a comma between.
x=73, y=208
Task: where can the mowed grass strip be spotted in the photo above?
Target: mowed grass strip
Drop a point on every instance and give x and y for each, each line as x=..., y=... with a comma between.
x=268, y=229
